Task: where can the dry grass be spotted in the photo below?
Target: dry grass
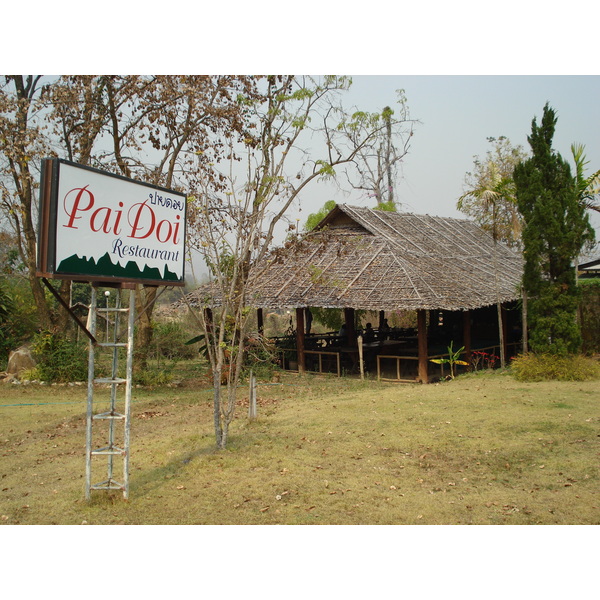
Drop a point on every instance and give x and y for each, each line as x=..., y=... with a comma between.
x=482, y=449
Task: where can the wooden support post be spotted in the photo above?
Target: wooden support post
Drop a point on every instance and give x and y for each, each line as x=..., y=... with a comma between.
x=423, y=376
x=350, y=328
x=300, y=340
x=308, y=320
x=524, y=322
x=504, y=338
x=252, y=397
x=360, y=356
x=259, y=321
x=467, y=334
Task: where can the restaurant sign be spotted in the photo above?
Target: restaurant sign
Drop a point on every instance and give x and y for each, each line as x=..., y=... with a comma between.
x=100, y=227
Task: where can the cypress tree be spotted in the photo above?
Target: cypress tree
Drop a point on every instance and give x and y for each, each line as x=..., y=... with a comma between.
x=556, y=227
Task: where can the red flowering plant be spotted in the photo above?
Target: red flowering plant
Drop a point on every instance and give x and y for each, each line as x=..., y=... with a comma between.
x=483, y=360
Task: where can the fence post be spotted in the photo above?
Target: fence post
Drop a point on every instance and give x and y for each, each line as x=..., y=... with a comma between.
x=252, y=397
x=360, y=356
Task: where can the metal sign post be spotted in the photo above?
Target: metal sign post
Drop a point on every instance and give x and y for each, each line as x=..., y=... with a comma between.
x=117, y=232
x=113, y=425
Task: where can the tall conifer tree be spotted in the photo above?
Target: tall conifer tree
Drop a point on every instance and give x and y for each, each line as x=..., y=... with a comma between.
x=556, y=227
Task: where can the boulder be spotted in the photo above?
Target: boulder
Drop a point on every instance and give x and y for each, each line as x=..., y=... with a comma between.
x=20, y=360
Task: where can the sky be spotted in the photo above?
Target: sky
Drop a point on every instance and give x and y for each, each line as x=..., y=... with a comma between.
x=469, y=71
x=456, y=115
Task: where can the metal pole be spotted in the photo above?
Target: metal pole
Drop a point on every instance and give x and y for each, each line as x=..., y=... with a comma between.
x=106, y=295
x=130, y=328
x=114, y=375
x=90, y=395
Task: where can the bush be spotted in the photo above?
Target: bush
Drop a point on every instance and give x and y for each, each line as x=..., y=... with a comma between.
x=59, y=360
x=544, y=367
x=151, y=377
x=6, y=336
x=17, y=316
x=168, y=341
x=589, y=312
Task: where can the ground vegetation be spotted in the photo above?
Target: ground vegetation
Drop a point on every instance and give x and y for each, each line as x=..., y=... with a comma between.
x=481, y=449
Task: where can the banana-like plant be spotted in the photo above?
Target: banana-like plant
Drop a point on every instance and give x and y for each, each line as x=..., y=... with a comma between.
x=587, y=188
x=452, y=360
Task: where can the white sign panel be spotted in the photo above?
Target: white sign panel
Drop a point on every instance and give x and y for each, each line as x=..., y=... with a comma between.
x=112, y=227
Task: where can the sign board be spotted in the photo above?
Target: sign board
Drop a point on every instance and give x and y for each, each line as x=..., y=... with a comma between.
x=99, y=227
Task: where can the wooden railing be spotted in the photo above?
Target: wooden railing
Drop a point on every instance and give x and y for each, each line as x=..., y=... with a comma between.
x=398, y=359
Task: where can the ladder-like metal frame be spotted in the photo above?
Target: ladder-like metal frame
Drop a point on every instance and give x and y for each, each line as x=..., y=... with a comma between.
x=119, y=411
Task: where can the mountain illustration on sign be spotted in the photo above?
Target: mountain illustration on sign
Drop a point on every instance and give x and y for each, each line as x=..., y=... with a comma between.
x=75, y=265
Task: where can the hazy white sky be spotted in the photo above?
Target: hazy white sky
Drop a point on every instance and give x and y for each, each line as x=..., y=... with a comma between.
x=457, y=114
x=435, y=52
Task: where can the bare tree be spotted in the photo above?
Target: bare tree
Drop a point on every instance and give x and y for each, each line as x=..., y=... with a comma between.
x=376, y=168
x=22, y=145
x=159, y=129
x=234, y=229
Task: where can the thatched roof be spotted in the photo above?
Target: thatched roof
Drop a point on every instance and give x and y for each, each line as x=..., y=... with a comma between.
x=374, y=260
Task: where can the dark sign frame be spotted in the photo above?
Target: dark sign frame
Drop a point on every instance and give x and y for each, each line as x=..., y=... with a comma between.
x=104, y=270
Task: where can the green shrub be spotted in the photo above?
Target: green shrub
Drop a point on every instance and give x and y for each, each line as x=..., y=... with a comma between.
x=589, y=313
x=260, y=360
x=58, y=359
x=544, y=367
x=17, y=316
x=6, y=336
x=152, y=377
x=168, y=341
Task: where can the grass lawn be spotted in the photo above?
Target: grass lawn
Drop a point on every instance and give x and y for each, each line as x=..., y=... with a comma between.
x=482, y=449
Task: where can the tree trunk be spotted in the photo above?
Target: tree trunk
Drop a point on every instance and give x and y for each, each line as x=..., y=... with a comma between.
x=39, y=297
x=388, y=157
x=217, y=408
x=145, y=299
x=64, y=320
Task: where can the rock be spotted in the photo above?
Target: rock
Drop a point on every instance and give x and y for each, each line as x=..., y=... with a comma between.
x=20, y=360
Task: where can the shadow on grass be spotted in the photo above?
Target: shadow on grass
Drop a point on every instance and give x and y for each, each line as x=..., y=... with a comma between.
x=146, y=480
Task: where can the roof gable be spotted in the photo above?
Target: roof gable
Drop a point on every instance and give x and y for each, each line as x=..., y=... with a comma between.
x=338, y=218
x=376, y=260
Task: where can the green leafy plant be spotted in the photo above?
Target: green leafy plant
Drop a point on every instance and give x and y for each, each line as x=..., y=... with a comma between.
x=199, y=339
x=547, y=367
x=169, y=341
x=59, y=359
x=151, y=377
x=17, y=315
x=452, y=360
x=6, y=308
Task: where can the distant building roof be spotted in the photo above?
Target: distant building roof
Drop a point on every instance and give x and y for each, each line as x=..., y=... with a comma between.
x=589, y=269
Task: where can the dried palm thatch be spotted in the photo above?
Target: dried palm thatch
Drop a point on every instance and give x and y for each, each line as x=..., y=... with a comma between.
x=374, y=260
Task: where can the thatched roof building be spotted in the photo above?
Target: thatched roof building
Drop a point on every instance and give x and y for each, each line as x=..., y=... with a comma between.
x=375, y=260
x=360, y=258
